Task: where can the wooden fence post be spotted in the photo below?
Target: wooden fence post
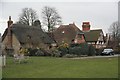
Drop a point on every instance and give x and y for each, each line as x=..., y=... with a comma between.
x=0, y=57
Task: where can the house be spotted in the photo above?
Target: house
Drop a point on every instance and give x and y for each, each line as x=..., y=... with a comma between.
x=19, y=35
x=94, y=37
x=68, y=33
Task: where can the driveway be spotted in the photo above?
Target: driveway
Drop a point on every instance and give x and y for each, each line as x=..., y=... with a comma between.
x=109, y=56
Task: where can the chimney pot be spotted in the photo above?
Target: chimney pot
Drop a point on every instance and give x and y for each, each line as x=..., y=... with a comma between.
x=86, y=26
x=9, y=34
x=9, y=18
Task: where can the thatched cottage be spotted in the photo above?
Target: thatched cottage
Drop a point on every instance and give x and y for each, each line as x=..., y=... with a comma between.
x=19, y=35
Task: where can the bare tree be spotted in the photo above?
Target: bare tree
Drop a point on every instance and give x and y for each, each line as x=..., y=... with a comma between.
x=115, y=30
x=50, y=17
x=28, y=16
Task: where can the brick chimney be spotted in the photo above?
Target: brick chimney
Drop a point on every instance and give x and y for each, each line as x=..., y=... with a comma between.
x=9, y=34
x=86, y=26
x=9, y=22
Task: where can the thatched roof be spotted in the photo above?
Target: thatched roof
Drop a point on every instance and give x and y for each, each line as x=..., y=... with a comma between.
x=25, y=33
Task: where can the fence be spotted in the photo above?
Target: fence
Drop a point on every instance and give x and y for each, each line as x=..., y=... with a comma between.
x=0, y=67
x=0, y=59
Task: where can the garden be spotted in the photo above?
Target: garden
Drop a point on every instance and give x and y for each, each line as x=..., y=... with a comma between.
x=65, y=50
x=62, y=62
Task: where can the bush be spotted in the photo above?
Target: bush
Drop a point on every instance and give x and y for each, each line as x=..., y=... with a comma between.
x=46, y=53
x=117, y=50
x=99, y=51
x=92, y=51
x=38, y=52
x=75, y=50
x=82, y=49
x=74, y=45
x=55, y=53
x=32, y=51
x=79, y=49
x=64, y=49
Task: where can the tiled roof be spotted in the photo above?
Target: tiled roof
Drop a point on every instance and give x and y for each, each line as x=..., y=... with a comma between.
x=92, y=35
x=66, y=33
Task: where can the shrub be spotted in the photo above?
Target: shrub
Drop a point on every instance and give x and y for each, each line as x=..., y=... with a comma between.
x=74, y=45
x=79, y=49
x=55, y=52
x=99, y=51
x=117, y=50
x=63, y=48
x=32, y=51
x=75, y=50
x=82, y=49
x=46, y=52
x=92, y=51
x=39, y=53
x=24, y=51
x=63, y=51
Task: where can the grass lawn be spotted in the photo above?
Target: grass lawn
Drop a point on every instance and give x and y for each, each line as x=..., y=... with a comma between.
x=0, y=72
x=50, y=67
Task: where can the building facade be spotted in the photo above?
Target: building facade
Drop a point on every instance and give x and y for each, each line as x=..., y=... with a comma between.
x=94, y=37
x=68, y=33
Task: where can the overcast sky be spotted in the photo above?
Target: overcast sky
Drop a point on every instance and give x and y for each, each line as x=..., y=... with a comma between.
x=101, y=14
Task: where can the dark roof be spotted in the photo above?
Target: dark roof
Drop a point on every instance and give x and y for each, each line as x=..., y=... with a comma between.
x=25, y=33
x=66, y=33
x=92, y=35
x=51, y=35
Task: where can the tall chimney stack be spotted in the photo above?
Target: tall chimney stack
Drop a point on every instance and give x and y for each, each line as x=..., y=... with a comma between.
x=9, y=22
x=9, y=34
x=86, y=26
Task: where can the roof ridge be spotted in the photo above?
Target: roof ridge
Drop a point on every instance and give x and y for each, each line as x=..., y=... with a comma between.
x=24, y=26
x=95, y=29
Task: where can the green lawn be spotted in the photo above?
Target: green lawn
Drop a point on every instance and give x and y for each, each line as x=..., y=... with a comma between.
x=49, y=67
x=0, y=72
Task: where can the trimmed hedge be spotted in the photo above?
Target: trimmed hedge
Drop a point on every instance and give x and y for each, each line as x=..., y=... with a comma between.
x=92, y=51
x=73, y=49
x=78, y=49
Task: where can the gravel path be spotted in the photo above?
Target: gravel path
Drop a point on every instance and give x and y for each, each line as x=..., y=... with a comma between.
x=95, y=57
